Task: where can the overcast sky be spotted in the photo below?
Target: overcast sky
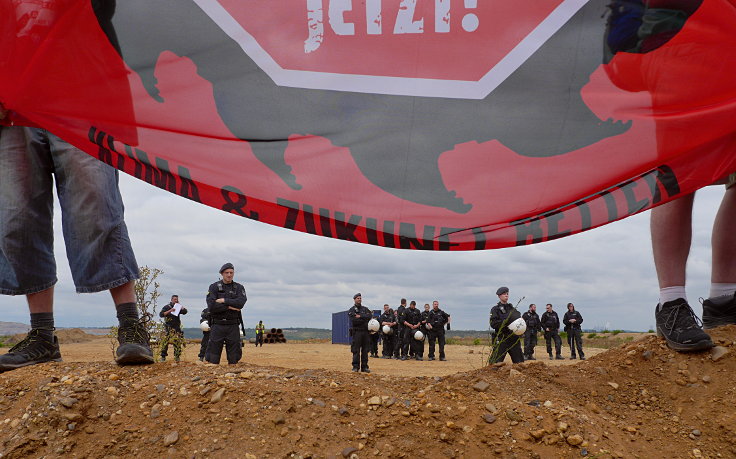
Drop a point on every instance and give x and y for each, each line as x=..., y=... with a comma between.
x=299, y=280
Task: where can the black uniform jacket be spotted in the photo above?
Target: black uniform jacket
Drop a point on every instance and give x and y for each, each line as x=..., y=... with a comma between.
x=171, y=321
x=359, y=317
x=532, y=321
x=572, y=315
x=550, y=320
x=412, y=316
x=502, y=315
x=233, y=294
x=438, y=319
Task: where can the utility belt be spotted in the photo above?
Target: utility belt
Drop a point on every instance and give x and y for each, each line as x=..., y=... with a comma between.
x=225, y=321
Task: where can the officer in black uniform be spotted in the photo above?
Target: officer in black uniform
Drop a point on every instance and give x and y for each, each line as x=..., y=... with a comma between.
x=172, y=328
x=412, y=323
x=359, y=318
x=505, y=341
x=374, y=341
x=551, y=326
x=388, y=318
x=573, y=321
x=205, y=316
x=436, y=325
x=400, y=350
x=533, y=326
x=225, y=300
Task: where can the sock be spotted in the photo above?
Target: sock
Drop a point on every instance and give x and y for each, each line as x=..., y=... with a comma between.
x=672, y=293
x=722, y=289
x=127, y=312
x=44, y=323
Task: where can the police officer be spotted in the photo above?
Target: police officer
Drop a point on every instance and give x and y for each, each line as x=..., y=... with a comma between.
x=436, y=325
x=551, y=326
x=172, y=328
x=412, y=324
x=374, y=342
x=204, y=317
x=400, y=350
x=505, y=341
x=388, y=318
x=533, y=326
x=225, y=299
x=359, y=318
x=260, y=330
x=573, y=321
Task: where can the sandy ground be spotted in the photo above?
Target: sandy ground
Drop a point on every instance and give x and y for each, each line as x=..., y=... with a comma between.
x=335, y=357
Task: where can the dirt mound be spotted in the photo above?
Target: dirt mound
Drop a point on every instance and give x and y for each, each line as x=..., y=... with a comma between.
x=637, y=400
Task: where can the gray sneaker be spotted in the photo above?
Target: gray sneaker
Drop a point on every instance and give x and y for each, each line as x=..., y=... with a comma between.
x=718, y=311
x=680, y=327
x=134, y=346
x=34, y=348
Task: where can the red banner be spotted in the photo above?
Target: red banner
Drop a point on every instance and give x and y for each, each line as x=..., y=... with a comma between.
x=414, y=124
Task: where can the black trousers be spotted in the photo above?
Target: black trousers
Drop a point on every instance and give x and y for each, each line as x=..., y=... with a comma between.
x=575, y=340
x=360, y=347
x=227, y=336
x=510, y=344
x=553, y=335
x=374, y=344
x=259, y=339
x=203, y=346
x=439, y=336
x=399, y=343
x=530, y=341
x=388, y=345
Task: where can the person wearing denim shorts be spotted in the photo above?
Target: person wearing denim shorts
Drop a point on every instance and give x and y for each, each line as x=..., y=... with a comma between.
x=100, y=255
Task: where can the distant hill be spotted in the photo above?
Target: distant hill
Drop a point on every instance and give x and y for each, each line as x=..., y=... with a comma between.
x=13, y=328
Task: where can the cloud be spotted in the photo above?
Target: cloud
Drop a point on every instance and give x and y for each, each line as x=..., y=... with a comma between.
x=295, y=279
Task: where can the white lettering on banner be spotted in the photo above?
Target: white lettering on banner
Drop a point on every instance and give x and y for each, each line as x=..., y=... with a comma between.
x=379, y=84
x=405, y=22
x=315, y=26
x=405, y=19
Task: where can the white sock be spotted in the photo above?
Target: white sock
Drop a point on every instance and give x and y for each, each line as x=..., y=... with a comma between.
x=672, y=293
x=722, y=289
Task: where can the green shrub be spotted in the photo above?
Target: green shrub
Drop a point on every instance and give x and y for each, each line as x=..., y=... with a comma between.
x=629, y=338
x=616, y=332
x=650, y=331
x=451, y=341
x=605, y=331
x=476, y=342
x=592, y=335
x=563, y=335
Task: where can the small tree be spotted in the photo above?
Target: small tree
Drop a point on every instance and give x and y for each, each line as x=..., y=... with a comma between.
x=146, y=299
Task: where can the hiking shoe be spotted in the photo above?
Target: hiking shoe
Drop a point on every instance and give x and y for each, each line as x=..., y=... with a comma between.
x=355, y=369
x=680, y=327
x=34, y=348
x=559, y=357
x=718, y=311
x=442, y=359
x=365, y=370
x=431, y=358
x=134, y=348
x=550, y=357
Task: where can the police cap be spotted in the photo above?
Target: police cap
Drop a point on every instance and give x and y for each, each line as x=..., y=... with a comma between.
x=226, y=266
x=357, y=295
x=502, y=290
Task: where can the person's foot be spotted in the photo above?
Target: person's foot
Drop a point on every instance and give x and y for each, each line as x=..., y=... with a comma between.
x=34, y=348
x=582, y=357
x=680, y=327
x=531, y=357
x=134, y=346
x=718, y=311
x=403, y=357
x=559, y=357
x=572, y=357
x=355, y=369
x=442, y=359
x=163, y=358
x=418, y=358
x=201, y=359
x=431, y=358
x=550, y=357
x=365, y=370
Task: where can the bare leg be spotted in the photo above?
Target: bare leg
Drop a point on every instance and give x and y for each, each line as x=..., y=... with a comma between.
x=724, y=240
x=671, y=227
x=124, y=293
x=42, y=301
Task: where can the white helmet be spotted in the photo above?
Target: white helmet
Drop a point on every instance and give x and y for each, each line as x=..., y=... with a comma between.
x=387, y=330
x=373, y=325
x=518, y=326
x=418, y=335
x=241, y=333
x=205, y=326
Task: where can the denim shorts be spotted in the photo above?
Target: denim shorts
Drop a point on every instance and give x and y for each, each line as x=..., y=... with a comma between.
x=100, y=255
